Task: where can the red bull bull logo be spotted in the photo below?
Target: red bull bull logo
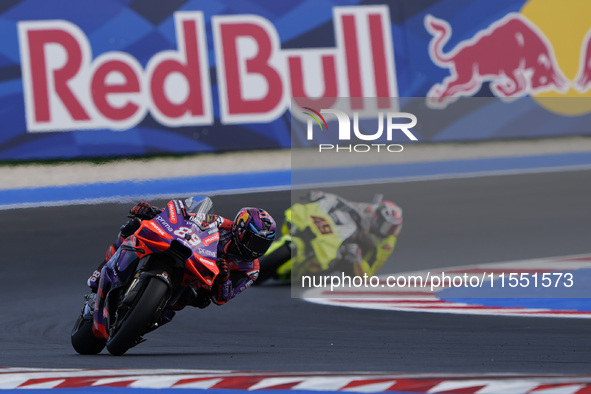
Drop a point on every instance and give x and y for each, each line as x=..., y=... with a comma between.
x=512, y=54
x=583, y=80
x=543, y=51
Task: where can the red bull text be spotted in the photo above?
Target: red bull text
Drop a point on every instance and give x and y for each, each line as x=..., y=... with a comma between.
x=66, y=88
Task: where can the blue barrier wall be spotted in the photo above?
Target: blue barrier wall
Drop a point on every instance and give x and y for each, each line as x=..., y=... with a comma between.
x=124, y=78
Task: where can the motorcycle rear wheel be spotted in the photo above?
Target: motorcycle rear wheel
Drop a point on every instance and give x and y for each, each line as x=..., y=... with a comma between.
x=139, y=318
x=83, y=340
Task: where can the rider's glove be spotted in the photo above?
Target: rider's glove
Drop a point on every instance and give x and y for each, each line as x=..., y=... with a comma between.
x=222, y=287
x=224, y=274
x=130, y=227
x=144, y=211
x=350, y=253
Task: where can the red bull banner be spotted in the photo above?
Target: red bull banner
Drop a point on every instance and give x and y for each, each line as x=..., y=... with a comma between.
x=130, y=78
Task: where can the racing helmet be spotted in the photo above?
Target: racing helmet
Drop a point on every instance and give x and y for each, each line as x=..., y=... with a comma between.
x=386, y=219
x=254, y=231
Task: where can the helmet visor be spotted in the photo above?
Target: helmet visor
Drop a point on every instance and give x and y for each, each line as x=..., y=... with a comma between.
x=256, y=244
x=387, y=220
x=386, y=228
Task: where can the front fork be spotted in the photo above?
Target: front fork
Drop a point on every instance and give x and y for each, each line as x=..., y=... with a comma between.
x=115, y=273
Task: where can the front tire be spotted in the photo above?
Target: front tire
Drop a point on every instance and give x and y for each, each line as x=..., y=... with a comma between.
x=83, y=340
x=139, y=318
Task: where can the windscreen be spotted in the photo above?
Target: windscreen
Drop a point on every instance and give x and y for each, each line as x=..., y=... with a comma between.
x=201, y=208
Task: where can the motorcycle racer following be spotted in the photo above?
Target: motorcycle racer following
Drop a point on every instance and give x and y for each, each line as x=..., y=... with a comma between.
x=327, y=233
x=241, y=243
x=373, y=232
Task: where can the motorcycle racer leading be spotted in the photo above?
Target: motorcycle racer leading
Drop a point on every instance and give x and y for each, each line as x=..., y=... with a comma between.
x=241, y=243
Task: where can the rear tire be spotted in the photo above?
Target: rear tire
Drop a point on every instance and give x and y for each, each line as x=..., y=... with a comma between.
x=271, y=262
x=139, y=318
x=83, y=340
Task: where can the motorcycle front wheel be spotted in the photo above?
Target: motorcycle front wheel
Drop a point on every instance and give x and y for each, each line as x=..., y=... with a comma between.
x=139, y=318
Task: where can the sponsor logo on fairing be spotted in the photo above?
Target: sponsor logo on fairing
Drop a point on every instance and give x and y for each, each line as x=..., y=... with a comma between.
x=211, y=239
x=206, y=261
x=206, y=252
x=177, y=207
x=202, y=220
x=154, y=227
x=164, y=223
x=172, y=213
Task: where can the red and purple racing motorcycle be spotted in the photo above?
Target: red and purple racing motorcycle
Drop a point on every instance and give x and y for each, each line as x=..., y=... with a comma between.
x=169, y=258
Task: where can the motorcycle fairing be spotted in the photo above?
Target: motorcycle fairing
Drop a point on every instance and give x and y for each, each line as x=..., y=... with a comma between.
x=177, y=235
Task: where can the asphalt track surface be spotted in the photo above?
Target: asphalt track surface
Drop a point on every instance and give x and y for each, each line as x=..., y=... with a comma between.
x=49, y=252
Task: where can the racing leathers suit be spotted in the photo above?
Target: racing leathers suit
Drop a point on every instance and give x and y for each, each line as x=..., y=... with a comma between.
x=362, y=251
x=236, y=274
